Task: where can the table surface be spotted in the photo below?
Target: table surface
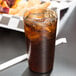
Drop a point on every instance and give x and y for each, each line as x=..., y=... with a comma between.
x=12, y=44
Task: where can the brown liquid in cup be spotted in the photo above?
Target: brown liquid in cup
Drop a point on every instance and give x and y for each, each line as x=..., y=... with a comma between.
x=40, y=35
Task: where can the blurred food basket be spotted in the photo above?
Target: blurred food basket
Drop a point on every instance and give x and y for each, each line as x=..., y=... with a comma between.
x=11, y=22
x=16, y=22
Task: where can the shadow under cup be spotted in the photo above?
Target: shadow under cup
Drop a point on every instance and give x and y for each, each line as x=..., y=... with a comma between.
x=40, y=33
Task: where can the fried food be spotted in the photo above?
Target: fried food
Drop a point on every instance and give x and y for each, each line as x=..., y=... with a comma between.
x=3, y=7
x=4, y=4
x=17, y=10
x=0, y=1
x=19, y=7
x=32, y=3
x=37, y=9
x=16, y=3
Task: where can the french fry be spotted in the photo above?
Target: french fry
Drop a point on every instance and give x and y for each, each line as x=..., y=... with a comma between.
x=14, y=11
x=21, y=13
x=26, y=8
x=16, y=3
x=22, y=4
x=0, y=1
x=19, y=10
x=33, y=2
x=37, y=9
x=4, y=4
x=44, y=5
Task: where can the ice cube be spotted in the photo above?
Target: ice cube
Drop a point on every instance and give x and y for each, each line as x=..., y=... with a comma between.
x=28, y=21
x=47, y=22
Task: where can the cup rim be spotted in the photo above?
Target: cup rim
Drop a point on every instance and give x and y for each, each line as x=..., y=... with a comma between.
x=53, y=9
